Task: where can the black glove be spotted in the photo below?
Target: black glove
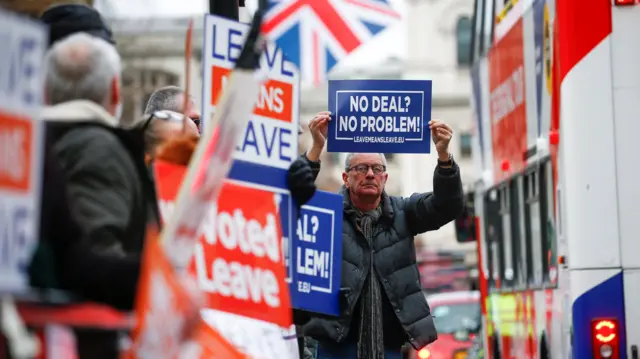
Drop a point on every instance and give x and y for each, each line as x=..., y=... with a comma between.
x=343, y=296
x=301, y=317
x=300, y=181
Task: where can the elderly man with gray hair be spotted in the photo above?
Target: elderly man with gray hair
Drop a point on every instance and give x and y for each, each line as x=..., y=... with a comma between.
x=112, y=196
x=383, y=306
x=172, y=98
x=163, y=114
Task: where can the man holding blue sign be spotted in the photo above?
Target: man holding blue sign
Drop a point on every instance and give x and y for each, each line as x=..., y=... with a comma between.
x=389, y=116
x=384, y=306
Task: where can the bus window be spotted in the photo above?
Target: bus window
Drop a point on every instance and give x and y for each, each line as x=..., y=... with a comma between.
x=487, y=25
x=465, y=223
x=549, y=243
x=518, y=204
x=463, y=41
x=493, y=237
x=476, y=40
x=507, y=235
x=533, y=225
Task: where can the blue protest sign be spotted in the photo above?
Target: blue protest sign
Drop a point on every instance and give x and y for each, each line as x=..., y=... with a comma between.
x=388, y=116
x=315, y=259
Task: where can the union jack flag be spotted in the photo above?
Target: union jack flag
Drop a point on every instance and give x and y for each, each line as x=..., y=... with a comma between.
x=316, y=34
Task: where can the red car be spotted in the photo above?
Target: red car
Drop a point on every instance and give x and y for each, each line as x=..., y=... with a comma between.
x=457, y=318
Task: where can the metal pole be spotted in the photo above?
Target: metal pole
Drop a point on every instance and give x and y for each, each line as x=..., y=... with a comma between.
x=224, y=8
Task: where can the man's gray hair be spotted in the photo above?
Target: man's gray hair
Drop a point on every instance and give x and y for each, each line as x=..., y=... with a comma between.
x=165, y=98
x=347, y=160
x=81, y=67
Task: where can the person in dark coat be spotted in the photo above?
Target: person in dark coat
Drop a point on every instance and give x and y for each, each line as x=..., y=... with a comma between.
x=111, y=196
x=383, y=303
x=65, y=258
x=103, y=162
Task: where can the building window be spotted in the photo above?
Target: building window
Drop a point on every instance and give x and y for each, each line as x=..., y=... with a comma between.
x=465, y=144
x=463, y=40
x=335, y=158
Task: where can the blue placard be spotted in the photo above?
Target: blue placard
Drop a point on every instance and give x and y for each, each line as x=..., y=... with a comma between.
x=315, y=259
x=388, y=116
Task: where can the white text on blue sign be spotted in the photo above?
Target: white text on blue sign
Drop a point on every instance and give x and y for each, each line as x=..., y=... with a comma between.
x=227, y=45
x=379, y=116
x=314, y=252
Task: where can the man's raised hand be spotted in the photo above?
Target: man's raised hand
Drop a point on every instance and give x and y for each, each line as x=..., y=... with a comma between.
x=441, y=135
x=318, y=127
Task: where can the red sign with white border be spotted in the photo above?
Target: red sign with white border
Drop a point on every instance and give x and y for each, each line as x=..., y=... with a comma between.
x=508, y=103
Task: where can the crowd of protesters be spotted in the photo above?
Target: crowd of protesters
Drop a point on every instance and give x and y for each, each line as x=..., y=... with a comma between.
x=99, y=199
x=98, y=193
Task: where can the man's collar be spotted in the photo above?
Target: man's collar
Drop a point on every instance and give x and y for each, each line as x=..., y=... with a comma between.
x=79, y=111
x=387, y=209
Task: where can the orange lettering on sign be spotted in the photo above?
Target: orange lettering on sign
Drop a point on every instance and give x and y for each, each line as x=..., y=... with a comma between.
x=274, y=99
x=15, y=152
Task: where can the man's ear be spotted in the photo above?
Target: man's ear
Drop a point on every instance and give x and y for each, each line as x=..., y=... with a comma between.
x=345, y=179
x=115, y=91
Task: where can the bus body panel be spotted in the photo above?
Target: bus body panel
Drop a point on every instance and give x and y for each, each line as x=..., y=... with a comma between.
x=631, y=292
x=627, y=159
x=482, y=125
x=531, y=72
x=625, y=53
x=561, y=334
x=477, y=129
x=588, y=162
x=596, y=294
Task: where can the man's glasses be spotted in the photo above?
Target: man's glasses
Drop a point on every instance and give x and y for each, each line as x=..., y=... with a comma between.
x=160, y=115
x=364, y=169
x=166, y=116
